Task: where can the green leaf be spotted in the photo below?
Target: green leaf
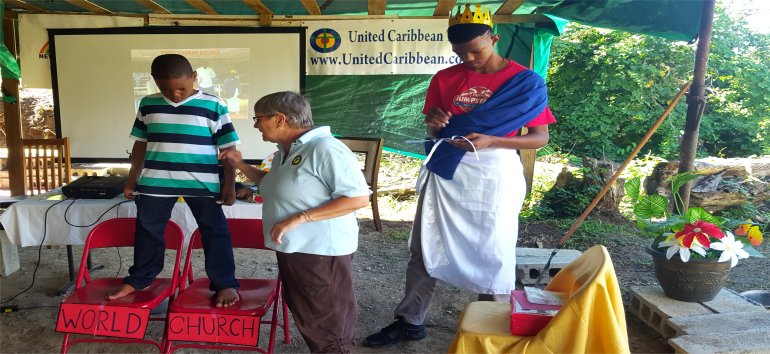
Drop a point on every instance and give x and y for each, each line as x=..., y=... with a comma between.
x=678, y=180
x=633, y=188
x=695, y=214
x=749, y=248
x=733, y=224
x=643, y=224
x=650, y=206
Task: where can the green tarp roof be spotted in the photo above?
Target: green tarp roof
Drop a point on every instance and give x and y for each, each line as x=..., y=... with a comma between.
x=674, y=19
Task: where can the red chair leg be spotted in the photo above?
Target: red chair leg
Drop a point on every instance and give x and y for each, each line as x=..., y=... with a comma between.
x=65, y=343
x=165, y=343
x=274, y=322
x=286, y=331
x=167, y=347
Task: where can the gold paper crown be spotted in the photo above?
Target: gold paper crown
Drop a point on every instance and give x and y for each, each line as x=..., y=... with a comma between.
x=479, y=16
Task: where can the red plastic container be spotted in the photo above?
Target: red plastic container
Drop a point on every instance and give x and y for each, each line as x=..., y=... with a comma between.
x=526, y=323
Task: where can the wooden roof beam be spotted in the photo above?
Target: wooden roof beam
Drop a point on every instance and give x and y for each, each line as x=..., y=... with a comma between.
x=377, y=7
x=258, y=6
x=444, y=7
x=325, y=4
x=153, y=6
x=23, y=5
x=508, y=7
x=202, y=6
x=87, y=5
x=311, y=6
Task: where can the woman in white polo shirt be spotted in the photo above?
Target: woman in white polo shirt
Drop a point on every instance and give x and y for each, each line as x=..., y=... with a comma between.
x=310, y=195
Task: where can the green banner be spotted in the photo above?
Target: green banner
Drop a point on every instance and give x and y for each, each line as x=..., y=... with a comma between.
x=9, y=67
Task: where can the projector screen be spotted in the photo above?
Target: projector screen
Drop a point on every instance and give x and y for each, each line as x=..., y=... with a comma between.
x=99, y=76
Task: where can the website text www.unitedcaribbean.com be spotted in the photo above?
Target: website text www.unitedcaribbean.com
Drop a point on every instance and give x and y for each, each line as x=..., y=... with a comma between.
x=385, y=58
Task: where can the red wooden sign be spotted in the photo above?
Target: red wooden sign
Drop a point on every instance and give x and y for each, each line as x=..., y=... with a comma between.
x=213, y=328
x=99, y=320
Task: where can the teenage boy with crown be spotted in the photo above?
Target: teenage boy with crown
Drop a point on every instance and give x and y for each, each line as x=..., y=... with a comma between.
x=471, y=187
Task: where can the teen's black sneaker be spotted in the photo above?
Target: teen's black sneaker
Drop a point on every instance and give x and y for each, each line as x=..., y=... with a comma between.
x=394, y=333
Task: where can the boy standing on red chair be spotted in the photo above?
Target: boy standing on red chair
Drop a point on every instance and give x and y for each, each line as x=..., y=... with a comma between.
x=178, y=134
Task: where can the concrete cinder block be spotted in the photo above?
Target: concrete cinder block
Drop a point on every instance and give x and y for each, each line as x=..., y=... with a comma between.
x=654, y=308
x=530, y=263
x=9, y=255
x=728, y=301
x=716, y=323
x=654, y=296
x=671, y=318
x=742, y=342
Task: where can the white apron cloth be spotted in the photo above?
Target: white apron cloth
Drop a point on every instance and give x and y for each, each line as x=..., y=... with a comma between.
x=469, y=225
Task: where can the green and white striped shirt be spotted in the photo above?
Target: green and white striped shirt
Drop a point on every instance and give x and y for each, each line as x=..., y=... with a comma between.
x=182, y=144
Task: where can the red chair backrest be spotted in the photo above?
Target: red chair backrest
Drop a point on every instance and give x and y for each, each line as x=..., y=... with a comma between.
x=245, y=233
x=119, y=232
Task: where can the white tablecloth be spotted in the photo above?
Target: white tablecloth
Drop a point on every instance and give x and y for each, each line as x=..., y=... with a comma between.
x=23, y=221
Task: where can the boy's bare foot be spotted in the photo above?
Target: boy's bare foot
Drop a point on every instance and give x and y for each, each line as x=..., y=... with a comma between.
x=226, y=297
x=117, y=293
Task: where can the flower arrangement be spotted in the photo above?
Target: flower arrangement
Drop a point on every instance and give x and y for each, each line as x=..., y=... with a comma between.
x=692, y=233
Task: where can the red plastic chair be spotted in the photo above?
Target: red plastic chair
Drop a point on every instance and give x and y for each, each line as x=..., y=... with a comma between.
x=123, y=320
x=193, y=318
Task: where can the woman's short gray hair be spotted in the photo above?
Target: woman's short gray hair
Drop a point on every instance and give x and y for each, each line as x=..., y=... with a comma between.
x=295, y=106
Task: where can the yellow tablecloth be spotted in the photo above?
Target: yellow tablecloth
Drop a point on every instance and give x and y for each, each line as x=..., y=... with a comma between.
x=592, y=320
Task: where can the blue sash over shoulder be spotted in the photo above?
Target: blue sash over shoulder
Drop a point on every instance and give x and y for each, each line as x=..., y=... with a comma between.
x=520, y=100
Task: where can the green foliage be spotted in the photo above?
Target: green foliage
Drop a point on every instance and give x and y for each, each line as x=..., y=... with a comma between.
x=606, y=88
x=570, y=200
x=646, y=207
x=759, y=215
x=400, y=233
x=397, y=202
x=565, y=202
x=695, y=214
x=633, y=188
x=677, y=181
x=592, y=232
x=650, y=206
x=653, y=219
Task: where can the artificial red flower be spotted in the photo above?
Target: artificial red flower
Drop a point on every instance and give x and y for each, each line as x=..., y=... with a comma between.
x=699, y=230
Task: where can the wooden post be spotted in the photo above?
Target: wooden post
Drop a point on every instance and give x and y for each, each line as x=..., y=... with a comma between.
x=528, y=156
x=696, y=99
x=13, y=118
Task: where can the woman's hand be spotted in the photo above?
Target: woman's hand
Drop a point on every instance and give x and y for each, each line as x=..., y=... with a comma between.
x=480, y=141
x=283, y=226
x=244, y=193
x=231, y=156
x=334, y=208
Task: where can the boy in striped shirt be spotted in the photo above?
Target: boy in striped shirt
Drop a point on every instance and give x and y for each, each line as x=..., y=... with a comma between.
x=178, y=134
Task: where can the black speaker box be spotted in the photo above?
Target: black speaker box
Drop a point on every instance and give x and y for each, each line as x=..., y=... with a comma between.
x=94, y=187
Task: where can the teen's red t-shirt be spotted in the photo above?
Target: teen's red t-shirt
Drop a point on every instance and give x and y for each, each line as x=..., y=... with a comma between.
x=458, y=90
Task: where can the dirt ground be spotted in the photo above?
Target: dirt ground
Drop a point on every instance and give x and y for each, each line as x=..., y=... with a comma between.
x=379, y=280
